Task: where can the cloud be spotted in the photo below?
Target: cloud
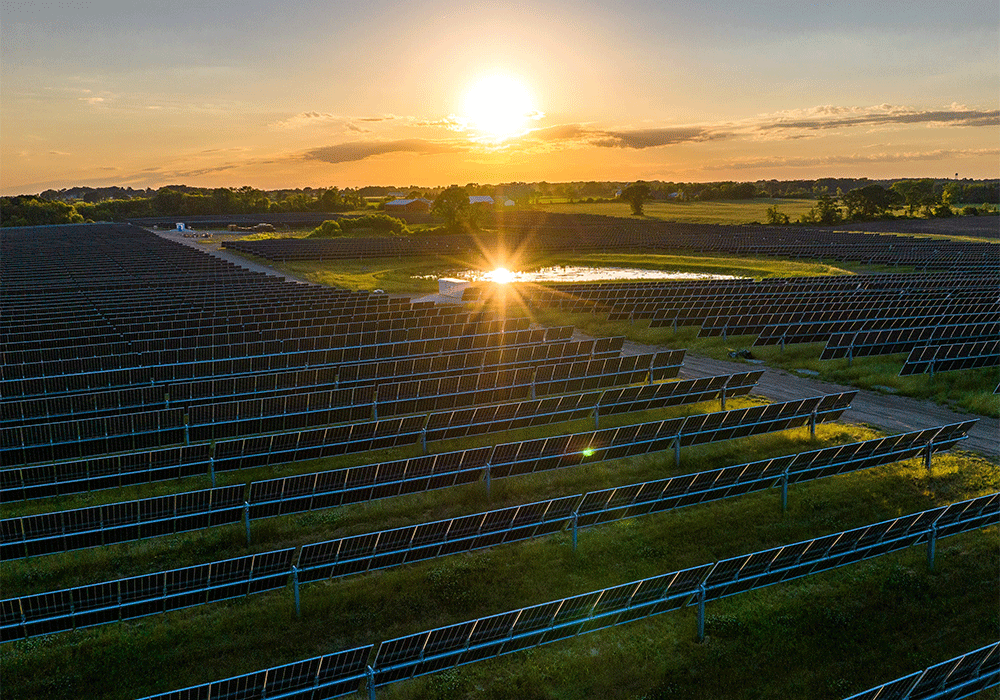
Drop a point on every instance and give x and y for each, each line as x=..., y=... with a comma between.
x=303, y=119
x=855, y=158
x=92, y=100
x=313, y=118
x=359, y=150
x=831, y=117
x=652, y=138
x=584, y=135
x=59, y=153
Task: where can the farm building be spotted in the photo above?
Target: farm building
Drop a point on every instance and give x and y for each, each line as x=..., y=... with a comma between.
x=409, y=205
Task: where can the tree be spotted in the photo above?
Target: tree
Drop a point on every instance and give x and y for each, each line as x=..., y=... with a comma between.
x=915, y=193
x=453, y=206
x=636, y=195
x=776, y=217
x=826, y=212
x=870, y=202
x=328, y=229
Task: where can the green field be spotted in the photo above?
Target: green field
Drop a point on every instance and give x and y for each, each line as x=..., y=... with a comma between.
x=724, y=212
x=419, y=275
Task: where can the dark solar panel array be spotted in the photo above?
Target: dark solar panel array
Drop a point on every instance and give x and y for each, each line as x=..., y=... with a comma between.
x=552, y=233
x=46, y=613
x=961, y=677
x=948, y=358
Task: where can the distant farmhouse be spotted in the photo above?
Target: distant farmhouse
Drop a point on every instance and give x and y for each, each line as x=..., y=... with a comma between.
x=419, y=205
x=487, y=201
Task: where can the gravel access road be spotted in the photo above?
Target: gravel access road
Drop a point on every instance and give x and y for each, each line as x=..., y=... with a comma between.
x=897, y=414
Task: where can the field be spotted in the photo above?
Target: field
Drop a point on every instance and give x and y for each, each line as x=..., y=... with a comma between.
x=726, y=212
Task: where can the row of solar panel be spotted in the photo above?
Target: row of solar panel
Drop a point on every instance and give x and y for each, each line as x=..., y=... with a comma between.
x=180, y=339
x=61, y=347
x=49, y=612
x=97, y=380
x=429, y=368
x=716, y=314
x=363, y=483
x=484, y=638
x=26, y=365
x=133, y=431
x=211, y=308
x=865, y=344
x=202, y=314
x=821, y=331
x=212, y=305
x=869, y=319
x=948, y=358
x=961, y=677
x=745, y=291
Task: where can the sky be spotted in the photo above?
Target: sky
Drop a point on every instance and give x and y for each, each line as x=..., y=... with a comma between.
x=319, y=94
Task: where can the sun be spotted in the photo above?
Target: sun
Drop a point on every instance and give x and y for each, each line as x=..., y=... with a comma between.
x=498, y=107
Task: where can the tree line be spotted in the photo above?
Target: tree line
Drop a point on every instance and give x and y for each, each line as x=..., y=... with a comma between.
x=848, y=199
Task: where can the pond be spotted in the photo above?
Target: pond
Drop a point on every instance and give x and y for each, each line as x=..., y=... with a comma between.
x=575, y=273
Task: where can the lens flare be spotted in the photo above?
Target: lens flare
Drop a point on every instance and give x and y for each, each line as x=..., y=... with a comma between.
x=500, y=275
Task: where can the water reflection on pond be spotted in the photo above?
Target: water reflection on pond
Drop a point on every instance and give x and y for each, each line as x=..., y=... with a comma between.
x=574, y=273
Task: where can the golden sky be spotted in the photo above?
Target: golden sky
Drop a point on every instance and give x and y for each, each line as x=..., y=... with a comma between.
x=347, y=93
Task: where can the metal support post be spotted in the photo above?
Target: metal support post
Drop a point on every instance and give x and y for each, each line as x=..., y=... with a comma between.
x=722, y=398
x=487, y=480
x=782, y=343
x=597, y=417
x=677, y=451
x=725, y=333
x=295, y=588
x=701, y=613
x=423, y=440
x=931, y=546
x=187, y=431
x=784, y=491
x=931, y=369
x=850, y=355
x=375, y=404
x=812, y=424
x=675, y=325
x=576, y=522
x=927, y=455
x=370, y=682
x=211, y=468
x=246, y=520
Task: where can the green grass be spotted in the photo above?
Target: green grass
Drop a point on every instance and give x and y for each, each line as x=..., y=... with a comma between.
x=724, y=212
x=819, y=637
x=418, y=275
